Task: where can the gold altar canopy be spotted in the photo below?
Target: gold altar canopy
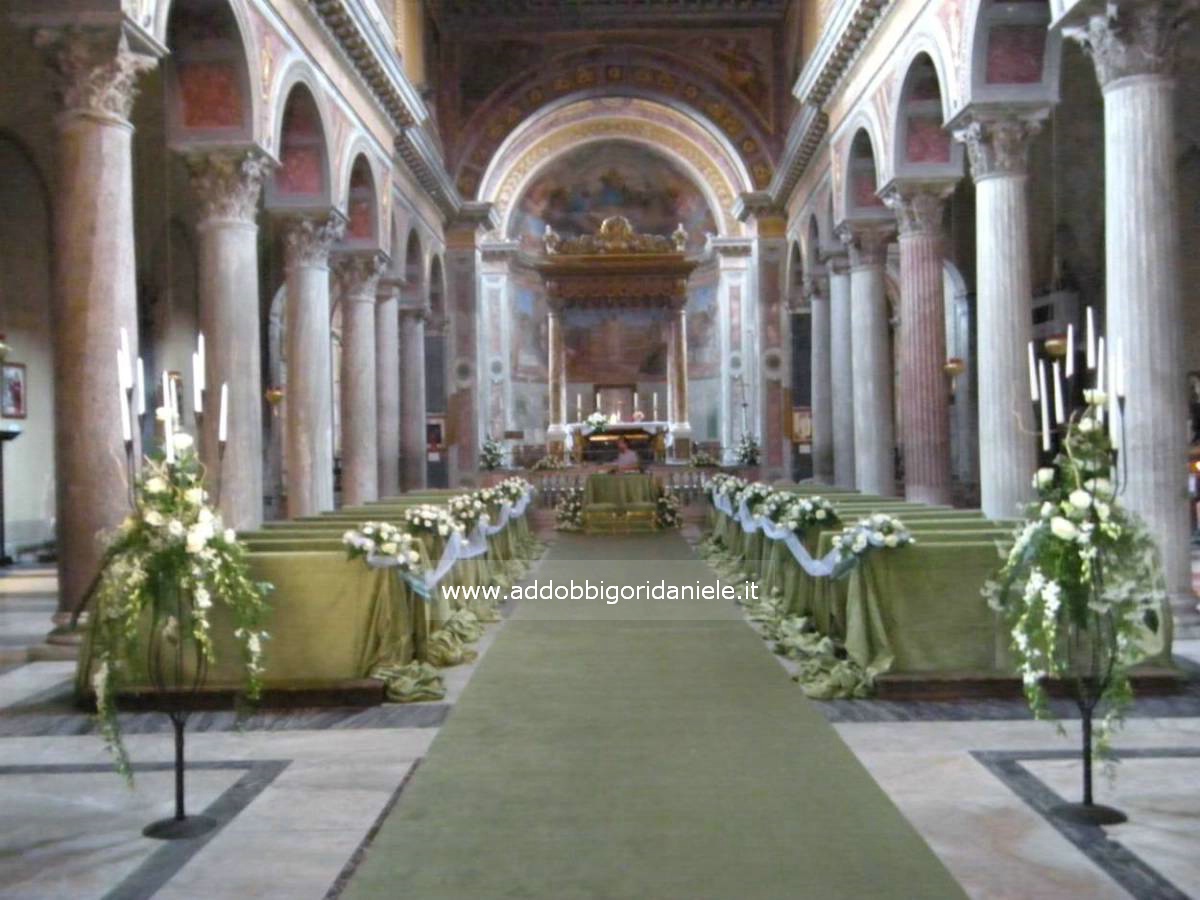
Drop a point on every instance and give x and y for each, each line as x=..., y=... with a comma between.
x=617, y=267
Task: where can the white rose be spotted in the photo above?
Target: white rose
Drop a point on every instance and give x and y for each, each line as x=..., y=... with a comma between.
x=155, y=485
x=413, y=557
x=182, y=440
x=1063, y=529
x=1044, y=477
x=1087, y=424
x=821, y=514
x=230, y=536
x=196, y=539
x=194, y=496
x=203, y=599
x=154, y=518
x=892, y=540
x=1103, y=510
x=1080, y=499
x=388, y=549
x=175, y=528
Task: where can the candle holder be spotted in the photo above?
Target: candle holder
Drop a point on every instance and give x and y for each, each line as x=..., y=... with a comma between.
x=1056, y=346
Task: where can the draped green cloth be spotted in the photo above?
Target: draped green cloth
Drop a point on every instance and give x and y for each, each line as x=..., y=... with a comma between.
x=621, y=490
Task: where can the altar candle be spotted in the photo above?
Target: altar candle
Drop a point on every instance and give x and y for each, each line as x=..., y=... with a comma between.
x=197, y=384
x=1070, y=350
x=141, y=387
x=578, y=407
x=1100, y=364
x=1033, y=376
x=597, y=400
x=168, y=413
x=202, y=369
x=125, y=362
x=1091, y=339
x=1059, y=418
x=635, y=401
x=223, y=421
x=1120, y=372
x=1045, y=406
x=126, y=426
x=654, y=414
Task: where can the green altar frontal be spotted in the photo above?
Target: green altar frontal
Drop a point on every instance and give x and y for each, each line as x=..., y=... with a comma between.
x=615, y=503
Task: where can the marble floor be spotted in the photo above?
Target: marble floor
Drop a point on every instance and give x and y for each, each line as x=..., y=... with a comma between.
x=300, y=792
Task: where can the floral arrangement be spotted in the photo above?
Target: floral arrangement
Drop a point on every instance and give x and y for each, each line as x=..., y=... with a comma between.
x=776, y=505
x=491, y=455
x=428, y=519
x=513, y=489
x=168, y=564
x=383, y=542
x=747, y=452
x=568, y=515
x=666, y=510
x=548, y=463
x=869, y=533
x=753, y=495
x=703, y=460
x=806, y=512
x=596, y=421
x=1081, y=585
x=725, y=486
x=468, y=510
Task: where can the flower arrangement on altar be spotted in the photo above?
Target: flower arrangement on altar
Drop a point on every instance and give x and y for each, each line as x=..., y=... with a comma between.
x=568, y=514
x=170, y=562
x=428, y=519
x=875, y=532
x=385, y=544
x=666, y=509
x=747, y=452
x=596, y=422
x=1081, y=586
x=804, y=513
x=491, y=455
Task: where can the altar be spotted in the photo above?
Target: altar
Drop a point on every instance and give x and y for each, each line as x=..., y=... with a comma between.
x=649, y=440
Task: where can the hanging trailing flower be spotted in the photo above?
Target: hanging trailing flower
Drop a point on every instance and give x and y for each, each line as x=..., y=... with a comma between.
x=666, y=509
x=748, y=452
x=170, y=562
x=568, y=515
x=1081, y=587
x=491, y=455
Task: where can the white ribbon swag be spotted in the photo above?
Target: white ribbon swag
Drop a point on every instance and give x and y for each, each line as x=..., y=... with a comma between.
x=816, y=568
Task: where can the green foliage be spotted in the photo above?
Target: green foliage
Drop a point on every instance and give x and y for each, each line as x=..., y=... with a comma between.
x=491, y=455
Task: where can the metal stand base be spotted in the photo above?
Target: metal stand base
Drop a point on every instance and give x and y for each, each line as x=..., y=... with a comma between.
x=1089, y=814
x=180, y=829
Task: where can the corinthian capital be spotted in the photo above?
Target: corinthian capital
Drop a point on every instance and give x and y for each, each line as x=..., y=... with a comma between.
x=866, y=243
x=97, y=72
x=358, y=274
x=1131, y=37
x=998, y=141
x=308, y=239
x=919, y=205
x=227, y=184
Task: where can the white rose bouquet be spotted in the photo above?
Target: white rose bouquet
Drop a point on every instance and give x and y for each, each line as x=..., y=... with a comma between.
x=748, y=451
x=169, y=563
x=667, y=508
x=428, y=519
x=491, y=455
x=808, y=512
x=468, y=510
x=382, y=543
x=568, y=515
x=513, y=489
x=875, y=532
x=595, y=422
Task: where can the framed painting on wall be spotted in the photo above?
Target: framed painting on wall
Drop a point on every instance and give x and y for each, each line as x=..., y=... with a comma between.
x=13, y=391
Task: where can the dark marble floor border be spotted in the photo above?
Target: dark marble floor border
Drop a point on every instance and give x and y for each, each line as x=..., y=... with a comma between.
x=163, y=863
x=360, y=852
x=1121, y=864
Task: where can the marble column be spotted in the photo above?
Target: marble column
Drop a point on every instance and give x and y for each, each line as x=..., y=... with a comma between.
x=95, y=292
x=412, y=394
x=309, y=444
x=841, y=370
x=227, y=185
x=871, y=359
x=998, y=146
x=387, y=386
x=1133, y=47
x=681, y=428
x=924, y=390
x=556, y=433
x=822, y=384
x=357, y=278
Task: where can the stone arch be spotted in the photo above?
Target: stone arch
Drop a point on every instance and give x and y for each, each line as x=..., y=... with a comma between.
x=810, y=241
x=304, y=177
x=363, y=214
x=589, y=72
x=414, y=270
x=797, y=274
x=1013, y=55
x=862, y=180
x=437, y=293
x=211, y=88
x=923, y=147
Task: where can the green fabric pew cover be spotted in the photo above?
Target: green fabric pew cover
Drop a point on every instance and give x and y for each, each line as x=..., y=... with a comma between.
x=620, y=490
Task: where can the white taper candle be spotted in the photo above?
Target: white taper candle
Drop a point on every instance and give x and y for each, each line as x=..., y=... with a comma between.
x=1033, y=376
x=203, y=370
x=1070, y=350
x=141, y=387
x=168, y=417
x=223, y=422
x=197, y=384
x=1091, y=339
x=126, y=425
x=1059, y=417
x=1045, y=405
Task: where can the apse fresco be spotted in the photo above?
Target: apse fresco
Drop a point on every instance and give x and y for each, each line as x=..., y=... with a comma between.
x=615, y=345
x=577, y=192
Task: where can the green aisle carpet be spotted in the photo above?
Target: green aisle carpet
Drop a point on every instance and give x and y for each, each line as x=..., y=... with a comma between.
x=648, y=750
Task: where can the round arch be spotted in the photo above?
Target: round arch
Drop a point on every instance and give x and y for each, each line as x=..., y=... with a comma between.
x=922, y=145
x=363, y=213
x=862, y=176
x=1013, y=56
x=305, y=176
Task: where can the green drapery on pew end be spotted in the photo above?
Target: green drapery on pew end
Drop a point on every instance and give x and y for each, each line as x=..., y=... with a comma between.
x=412, y=683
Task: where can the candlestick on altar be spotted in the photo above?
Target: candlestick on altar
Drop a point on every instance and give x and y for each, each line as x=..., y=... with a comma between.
x=223, y=420
x=654, y=413
x=1070, y=351
x=141, y=388
x=635, y=401
x=1091, y=339
x=597, y=401
x=126, y=425
x=1059, y=417
x=168, y=412
x=197, y=385
x=578, y=407
x=1033, y=375
x=1045, y=405
x=202, y=374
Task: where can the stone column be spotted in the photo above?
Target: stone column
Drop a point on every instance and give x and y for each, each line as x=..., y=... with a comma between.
x=95, y=292
x=925, y=408
x=387, y=386
x=227, y=185
x=556, y=433
x=874, y=429
x=412, y=393
x=309, y=444
x=841, y=369
x=822, y=384
x=998, y=146
x=357, y=277
x=1133, y=47
x=680, y=426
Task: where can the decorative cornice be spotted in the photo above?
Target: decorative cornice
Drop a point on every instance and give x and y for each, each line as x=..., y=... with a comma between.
x=97, y=71
x=998, y=138
x=919, y=204
x=803, y=137
x=475, y=214
x=308, y=237
x=419, y=152
x=730, y=247
x=846, y=31
x=1129, y=37
x=227, y=183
